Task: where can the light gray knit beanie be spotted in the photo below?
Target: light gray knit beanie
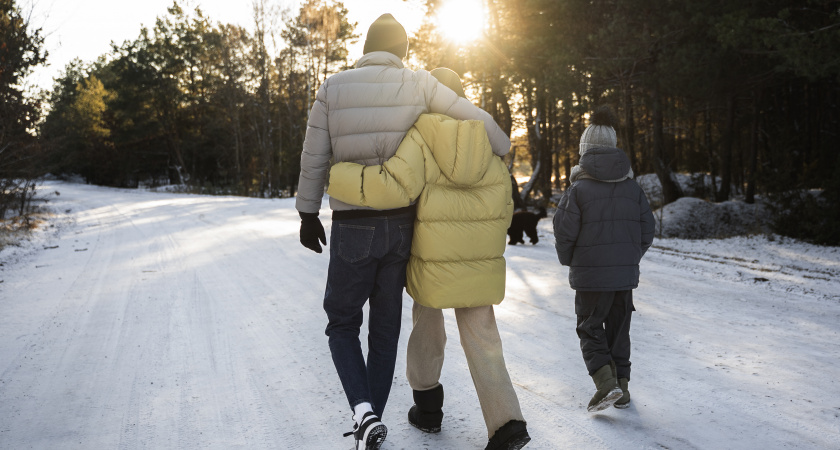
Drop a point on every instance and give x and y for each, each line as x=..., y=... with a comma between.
x=600, y=132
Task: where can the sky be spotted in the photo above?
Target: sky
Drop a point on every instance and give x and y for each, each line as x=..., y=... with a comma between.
x=85, y=28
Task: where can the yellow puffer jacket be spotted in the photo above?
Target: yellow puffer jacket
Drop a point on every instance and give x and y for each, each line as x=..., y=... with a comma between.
x=464, y=207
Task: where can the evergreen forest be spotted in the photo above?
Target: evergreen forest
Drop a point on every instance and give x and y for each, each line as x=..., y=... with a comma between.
x=745, y=91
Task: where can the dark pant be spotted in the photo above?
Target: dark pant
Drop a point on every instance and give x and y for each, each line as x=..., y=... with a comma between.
x=368, y=258
x=603, y=325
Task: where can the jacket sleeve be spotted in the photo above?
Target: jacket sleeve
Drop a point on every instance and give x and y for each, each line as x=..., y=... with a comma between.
x=393, y=184
x=648, y=225
x=566, y=226
x=443, y=100
x=315, y=157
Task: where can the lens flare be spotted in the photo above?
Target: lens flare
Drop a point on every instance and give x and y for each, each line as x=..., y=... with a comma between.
x=462, y=21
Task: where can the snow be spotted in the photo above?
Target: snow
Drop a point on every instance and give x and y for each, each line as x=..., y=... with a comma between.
x=694, y=218
x=159, y=320
x=692, y=185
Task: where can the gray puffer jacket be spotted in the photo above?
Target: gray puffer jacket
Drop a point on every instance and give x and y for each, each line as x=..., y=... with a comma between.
x=361, y=116
x=603, y=225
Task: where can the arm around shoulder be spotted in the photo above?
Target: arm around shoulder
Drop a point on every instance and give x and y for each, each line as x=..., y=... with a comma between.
x=394, y=184
x=463, y=109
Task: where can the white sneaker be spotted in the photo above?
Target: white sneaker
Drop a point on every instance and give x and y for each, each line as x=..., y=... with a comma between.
x=370, y=434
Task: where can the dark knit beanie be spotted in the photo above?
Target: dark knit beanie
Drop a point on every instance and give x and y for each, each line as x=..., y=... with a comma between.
x=387, y=35
x=450, y=79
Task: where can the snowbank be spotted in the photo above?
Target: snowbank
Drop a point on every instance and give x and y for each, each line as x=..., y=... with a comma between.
x=694, y=218
x=693, y=185
x=691, y=217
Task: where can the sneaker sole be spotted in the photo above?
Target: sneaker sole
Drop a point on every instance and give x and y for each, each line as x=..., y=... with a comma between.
x=608, y=401
x=622, y=405
x=375, y=438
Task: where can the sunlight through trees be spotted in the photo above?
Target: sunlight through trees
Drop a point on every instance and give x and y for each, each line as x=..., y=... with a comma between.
x=746, y=92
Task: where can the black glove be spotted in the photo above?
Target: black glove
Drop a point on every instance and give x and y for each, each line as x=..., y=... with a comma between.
x=311, y=231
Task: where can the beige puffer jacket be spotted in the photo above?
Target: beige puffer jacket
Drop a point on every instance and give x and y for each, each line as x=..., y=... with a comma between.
x=464, y=208
x=361, y=115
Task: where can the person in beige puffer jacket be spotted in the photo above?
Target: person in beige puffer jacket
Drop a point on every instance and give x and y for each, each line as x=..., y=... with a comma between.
x=464, y=207
x=361, y=115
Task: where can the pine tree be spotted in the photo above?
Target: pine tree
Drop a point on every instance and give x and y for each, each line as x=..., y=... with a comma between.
x=21, y=49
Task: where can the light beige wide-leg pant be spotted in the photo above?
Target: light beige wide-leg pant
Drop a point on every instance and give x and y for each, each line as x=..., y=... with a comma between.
x=483, y=349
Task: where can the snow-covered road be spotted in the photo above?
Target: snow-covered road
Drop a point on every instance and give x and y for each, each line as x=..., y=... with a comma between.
x=155, y=320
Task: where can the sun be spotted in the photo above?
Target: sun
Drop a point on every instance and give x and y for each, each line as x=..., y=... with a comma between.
x=462, y=21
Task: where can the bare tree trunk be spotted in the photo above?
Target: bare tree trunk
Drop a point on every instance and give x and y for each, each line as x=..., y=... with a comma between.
x=753, y=158
x=671, y=191
x=707, y=142
x=529, y=186
x=569, y=148
x=501, y=102
x=692, y=133
x=726, y=159
x=547, y=150
x=630, y=129
x=517, y=197
x=533, y=127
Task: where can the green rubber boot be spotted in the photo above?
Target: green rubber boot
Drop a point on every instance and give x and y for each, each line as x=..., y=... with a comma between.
x=607, y=390
x=624, y=401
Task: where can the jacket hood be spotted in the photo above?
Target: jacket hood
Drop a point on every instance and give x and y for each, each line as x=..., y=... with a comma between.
x=460, y=147
x=606, y=164
x=380, y=59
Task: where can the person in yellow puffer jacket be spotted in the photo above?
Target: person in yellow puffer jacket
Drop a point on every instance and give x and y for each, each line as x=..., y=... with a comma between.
x=464, y=207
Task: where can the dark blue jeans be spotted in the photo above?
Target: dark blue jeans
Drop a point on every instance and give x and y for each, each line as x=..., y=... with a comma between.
x=368, y=258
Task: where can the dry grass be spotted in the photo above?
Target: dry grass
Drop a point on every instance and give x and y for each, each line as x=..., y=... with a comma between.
x=15, y=229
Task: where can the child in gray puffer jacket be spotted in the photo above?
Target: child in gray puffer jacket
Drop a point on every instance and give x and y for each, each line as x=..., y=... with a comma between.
x=603, y=227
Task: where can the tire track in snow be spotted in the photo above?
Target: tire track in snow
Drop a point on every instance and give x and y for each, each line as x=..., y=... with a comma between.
x=253, y=293
x=70, y=326
x=778, y=274
x=210, y=410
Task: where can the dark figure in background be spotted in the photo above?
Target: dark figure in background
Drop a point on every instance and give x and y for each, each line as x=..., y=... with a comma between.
x=525, y=222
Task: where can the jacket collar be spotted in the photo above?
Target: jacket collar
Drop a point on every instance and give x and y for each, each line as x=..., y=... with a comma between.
x=579, y=174
x=380, y=59
x=606, y=164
